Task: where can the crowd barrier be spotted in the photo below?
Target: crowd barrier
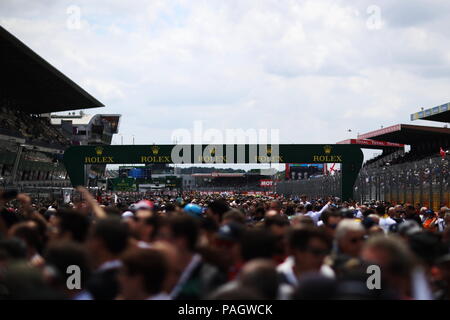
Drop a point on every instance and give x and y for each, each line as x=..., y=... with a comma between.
x=424, y=182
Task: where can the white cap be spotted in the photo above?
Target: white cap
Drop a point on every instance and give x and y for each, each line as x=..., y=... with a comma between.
x=127, y=214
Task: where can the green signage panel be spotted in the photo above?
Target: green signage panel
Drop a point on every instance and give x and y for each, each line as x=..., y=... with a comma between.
x=123, y=184
x=350, y=156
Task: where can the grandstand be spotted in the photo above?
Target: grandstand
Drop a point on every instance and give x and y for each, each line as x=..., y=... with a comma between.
x=87, y=129
x=390, y=149
x=425, y=141
x=30, y=146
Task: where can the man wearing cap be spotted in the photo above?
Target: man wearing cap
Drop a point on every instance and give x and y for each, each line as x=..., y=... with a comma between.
x=228, y=243
x=193, y=210
x=430, y=220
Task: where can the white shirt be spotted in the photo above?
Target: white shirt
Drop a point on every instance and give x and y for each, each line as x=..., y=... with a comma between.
x=359, y=215
x=315, y=215
x=441, y=224
x=385, y=223
x=287, y=269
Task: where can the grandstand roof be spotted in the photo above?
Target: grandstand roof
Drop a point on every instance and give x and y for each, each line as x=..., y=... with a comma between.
x=371, y=144
x=407, y=134
x=31, y=84
x=439, y=113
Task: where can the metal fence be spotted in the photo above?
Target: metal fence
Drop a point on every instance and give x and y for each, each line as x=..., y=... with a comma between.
x=313, y=188
x=424, y=182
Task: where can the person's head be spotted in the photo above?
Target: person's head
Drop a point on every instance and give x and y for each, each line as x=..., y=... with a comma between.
x=300, y=209
x=277, y=225
x=143, y=208
x=429, y=214
x=60, y=256
x=309, y=246
x=290, y=210
x=408, y=228
x=380, y=210
x=142, y=214
x=392, y=213
x=410, y=211
x=443, y=211
x=12, y=250
x=227, y=242
x=427, y=247
x=28, y=233
x=260, y=275
x=350, y=237
x=233, y=215
x=108, y=239
x=257, y=243
x=22, y=281
x=150, y=227
x=375, y=218
x=331, y=219
x=346, y=213
x=143, y=273
x=395, y=260
x=259, y=213
x=375, y=230
x=303, y=221
x=72, y=225
x=216, y=209
x=275, y=205
x=184, y=233
x=423, y=210
x=447, y=218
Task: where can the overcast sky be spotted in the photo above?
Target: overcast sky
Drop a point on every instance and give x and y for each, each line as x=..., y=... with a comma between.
x=312, y=69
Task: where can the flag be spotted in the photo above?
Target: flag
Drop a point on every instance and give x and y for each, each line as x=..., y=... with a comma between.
x=442, y=152
x=332, y=170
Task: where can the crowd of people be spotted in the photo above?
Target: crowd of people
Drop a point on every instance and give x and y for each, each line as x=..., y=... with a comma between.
x=34, y=128
x=191, y=246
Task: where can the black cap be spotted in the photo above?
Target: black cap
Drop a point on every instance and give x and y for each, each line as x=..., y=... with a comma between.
x=231, y=232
